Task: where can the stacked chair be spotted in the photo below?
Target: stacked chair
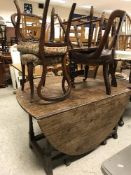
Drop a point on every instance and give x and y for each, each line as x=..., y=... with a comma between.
x=100, y=49
x=103, y=54
x=42, y=53
x=100, y=53
x=95, y=27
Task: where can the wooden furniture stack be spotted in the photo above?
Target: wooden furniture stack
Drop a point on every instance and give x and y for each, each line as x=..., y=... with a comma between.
x=77, y=124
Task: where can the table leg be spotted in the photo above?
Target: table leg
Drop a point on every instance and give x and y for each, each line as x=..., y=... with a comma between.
x=45, y=153
x=31, y=131
x=50, y=157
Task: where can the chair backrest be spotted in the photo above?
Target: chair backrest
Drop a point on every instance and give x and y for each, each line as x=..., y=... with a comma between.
x=120, y=14
x=87, y=30
x=77, y=35
x=54, y=17
x=27, y=26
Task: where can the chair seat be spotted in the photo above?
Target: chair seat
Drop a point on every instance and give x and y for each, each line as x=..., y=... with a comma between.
x=31, y=58
x=30, y=50
x=85, y=56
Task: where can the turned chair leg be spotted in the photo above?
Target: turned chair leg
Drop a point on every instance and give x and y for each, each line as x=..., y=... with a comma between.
x=86, y=72
x=112, y=69
x=30, y=68
x=106, y=79
x=72, y=67
x=95, y=73
x=23, y=77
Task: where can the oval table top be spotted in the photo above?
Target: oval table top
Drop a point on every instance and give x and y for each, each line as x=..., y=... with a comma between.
x=80, y=123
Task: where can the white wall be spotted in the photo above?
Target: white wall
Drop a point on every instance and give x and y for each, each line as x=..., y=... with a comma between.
x=62, y=11
x=7, y=8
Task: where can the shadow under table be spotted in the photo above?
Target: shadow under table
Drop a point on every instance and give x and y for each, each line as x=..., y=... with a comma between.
x=77, y=125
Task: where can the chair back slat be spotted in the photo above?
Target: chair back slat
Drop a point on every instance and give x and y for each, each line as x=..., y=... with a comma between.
x=101, y=22
x=69, y=23
x=17, y=24
x=90, y=27
x=52, y=28
x=43, y=29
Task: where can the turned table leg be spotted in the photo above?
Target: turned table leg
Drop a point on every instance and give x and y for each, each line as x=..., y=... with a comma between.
x=45, y=153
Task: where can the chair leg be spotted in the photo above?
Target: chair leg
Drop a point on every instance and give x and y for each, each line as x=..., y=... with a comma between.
x=72, y=72
x=30, y=78
x=95, y=73
x=112, y=70
x=86, y=72
x=106, y=79
x=23, y=77
x=66, y=78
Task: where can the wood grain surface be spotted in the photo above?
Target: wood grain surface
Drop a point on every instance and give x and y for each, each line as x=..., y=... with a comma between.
x=81, y=122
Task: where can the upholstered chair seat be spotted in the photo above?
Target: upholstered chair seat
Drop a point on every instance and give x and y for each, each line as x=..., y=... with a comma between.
x=30, y=51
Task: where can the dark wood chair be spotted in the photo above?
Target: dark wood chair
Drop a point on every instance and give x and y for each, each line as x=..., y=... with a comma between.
x=43, y=53
x=95, y=28
x=104, y=53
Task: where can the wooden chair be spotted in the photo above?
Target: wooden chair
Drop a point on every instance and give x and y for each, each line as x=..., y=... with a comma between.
x=45, y=54
x=95, y=27
x=100, y=55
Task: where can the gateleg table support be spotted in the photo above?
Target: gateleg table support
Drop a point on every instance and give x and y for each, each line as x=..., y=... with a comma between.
x=45, y=152
x=49, y=155
x=60, y=141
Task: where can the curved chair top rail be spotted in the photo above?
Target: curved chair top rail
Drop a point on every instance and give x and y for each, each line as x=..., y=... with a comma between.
x=18, y=32
x=16, y=21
